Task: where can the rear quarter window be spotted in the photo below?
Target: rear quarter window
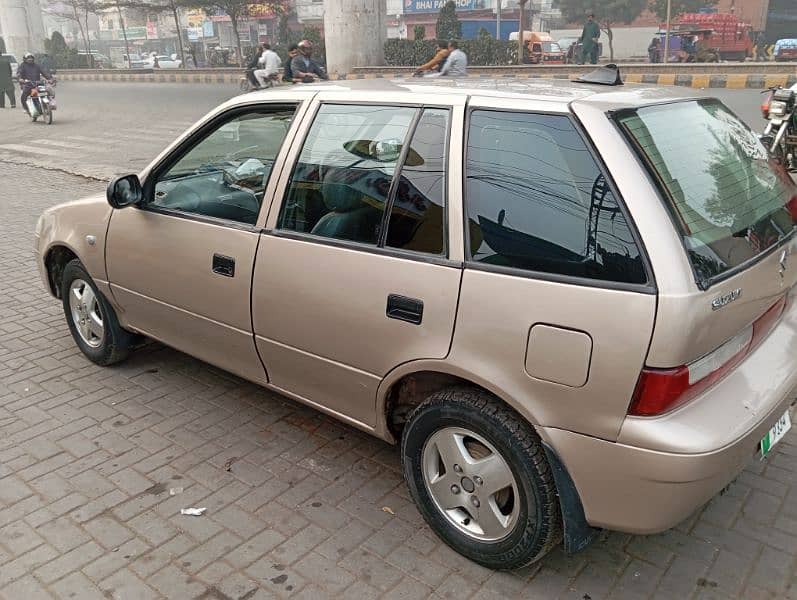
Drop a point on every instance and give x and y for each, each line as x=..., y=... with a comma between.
x=537, y=201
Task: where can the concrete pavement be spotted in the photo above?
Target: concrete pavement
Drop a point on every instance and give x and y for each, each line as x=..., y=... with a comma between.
x=298, y=504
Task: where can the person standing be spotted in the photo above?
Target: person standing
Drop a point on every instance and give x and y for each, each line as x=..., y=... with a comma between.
x=6, y=82
x=456, y=64
x=589, y=40
x=270, y=65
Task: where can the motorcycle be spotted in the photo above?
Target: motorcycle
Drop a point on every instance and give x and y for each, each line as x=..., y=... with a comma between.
x=41, y=101
x=780, y=135
x=245, y=84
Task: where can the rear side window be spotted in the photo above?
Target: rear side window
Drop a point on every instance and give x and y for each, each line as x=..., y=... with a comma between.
x=536, y=200
x=728, y=201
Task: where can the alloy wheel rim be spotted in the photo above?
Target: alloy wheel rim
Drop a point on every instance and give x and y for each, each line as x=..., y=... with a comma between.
x=86, y=313
x=471, y=484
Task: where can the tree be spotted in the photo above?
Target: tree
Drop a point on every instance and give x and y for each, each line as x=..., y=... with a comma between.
x=77, y=11
x=448, y=26
x=419, y=32
x=608, y=14
x=679, y=7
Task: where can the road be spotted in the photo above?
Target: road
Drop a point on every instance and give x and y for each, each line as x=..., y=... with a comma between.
x=102, y=129
x=96, y=463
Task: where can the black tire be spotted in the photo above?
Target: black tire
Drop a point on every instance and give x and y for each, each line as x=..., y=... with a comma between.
x=49, y=116
x=538, y=525
x=116, y=343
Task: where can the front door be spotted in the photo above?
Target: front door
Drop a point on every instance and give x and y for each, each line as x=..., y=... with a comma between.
x=354, y=277
x=180, y=265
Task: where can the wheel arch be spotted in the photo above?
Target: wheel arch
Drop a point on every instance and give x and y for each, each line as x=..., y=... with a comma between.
x=409, y=384
x=56, y=257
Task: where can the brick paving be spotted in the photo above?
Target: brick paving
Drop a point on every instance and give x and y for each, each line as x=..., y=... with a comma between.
x=90, y=458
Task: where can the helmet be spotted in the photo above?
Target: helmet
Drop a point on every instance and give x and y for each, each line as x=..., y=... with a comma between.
x=305, y=44
x=28, y=55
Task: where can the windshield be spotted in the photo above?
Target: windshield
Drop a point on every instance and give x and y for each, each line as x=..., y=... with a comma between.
x=731, y=202
x=550, y=47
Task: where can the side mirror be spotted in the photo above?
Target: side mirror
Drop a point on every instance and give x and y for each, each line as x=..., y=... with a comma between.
x=124, y=191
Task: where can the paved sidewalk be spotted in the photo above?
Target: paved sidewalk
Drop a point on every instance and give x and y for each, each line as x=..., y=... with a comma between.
x=298, y=505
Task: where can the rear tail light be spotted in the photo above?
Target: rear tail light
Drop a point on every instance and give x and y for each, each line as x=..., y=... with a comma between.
x=791, y=205
x=661, y=390
x=765, y=106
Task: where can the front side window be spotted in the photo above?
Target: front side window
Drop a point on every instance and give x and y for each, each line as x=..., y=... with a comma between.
x=729, y=202
x=536, y=200
x=373, y=175
x=225, y=174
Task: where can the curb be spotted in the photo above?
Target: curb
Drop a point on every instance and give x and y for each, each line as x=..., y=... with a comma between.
x=696, y=80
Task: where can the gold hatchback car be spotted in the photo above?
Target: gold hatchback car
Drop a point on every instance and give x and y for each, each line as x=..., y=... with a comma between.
x=571, y=304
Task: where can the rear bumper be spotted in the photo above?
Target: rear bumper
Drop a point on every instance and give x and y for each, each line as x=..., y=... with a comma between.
x=635, y=490
x=661, y=469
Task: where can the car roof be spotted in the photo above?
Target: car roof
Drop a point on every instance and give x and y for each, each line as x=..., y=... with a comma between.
x=559, y=92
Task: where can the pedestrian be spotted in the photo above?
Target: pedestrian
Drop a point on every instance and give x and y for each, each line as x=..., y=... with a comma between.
x=456, y=64
x=654, y=50
x=270, y=64
x=589, y=40
x=6, y=82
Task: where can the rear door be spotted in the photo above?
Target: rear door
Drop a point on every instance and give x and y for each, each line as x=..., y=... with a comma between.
x=355, y=276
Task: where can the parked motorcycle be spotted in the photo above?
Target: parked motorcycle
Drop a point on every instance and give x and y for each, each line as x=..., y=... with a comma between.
x=780, y=135
x=41, y=101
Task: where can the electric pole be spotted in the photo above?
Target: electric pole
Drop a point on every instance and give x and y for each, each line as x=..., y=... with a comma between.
x=667, y=33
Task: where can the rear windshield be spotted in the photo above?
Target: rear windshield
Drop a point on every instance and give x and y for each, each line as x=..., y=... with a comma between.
x=728, y=199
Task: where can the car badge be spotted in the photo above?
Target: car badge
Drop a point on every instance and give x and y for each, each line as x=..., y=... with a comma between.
x=726, y=299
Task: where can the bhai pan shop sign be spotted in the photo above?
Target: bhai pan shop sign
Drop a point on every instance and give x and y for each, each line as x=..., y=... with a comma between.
x=427, y=6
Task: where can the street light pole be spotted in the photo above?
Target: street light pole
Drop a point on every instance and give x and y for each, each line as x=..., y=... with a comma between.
x=520, y=53
x=498, y=20
x=667, y=33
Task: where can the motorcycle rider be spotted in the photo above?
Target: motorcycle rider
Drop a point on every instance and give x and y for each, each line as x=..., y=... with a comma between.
x=29, y=74
x=251, y=66
x=293, y=52
x=437, y=60
x=304, y=68
x=270, y=64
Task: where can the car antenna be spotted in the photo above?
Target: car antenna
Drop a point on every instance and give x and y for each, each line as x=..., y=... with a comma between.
x=606, y=75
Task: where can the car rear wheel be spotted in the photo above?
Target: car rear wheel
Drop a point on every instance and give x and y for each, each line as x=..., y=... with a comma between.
x=478, y=473
x=91, y=319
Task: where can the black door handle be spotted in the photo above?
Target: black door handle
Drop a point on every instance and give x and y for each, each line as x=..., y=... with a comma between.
x=404, y=309
x=223, y=265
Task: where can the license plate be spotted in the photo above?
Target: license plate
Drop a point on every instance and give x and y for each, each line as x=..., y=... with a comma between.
x=775, y=434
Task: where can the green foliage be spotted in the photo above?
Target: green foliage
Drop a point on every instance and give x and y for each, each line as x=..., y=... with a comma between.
x=62, y=56
x=481, y=52
x=484, y=34
x=679, y=7
x=419, y=32
x=448, y=26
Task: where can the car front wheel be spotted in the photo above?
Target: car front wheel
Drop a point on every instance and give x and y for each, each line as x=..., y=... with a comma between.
x=91, y=319
x=478, y=474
